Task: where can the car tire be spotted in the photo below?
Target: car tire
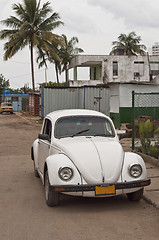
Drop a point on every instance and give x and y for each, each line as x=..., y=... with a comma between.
x=135, y=196
x=51, y=197
x=32, y=157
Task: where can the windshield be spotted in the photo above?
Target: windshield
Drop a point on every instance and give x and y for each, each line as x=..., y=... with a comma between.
x=6, y=105
x=83, y=126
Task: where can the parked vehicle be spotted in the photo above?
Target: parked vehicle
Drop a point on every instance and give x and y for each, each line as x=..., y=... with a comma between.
x=78, y=153
x=6, y=107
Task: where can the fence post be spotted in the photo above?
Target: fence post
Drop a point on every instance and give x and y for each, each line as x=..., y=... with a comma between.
x=42, y=102
x=84, y=102
x=133, y=119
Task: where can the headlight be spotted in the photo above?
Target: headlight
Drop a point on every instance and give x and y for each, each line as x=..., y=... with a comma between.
x=65, y=173
x=135, y=170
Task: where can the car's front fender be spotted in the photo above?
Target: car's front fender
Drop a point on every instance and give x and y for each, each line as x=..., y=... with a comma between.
x=129, y=159
x=34, y=152
x=57, y=161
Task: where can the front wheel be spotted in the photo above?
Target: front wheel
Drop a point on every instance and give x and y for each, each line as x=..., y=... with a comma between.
x=135, y=196
x=51, y=197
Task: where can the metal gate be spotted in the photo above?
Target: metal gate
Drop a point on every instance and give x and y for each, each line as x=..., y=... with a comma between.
x=93, y=98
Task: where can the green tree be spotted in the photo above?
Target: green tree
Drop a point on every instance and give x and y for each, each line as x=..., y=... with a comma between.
x=4, y=84
x=33, y=26
x=146, y=132
x=54, y=84
x=67, y=52
x=128, y=45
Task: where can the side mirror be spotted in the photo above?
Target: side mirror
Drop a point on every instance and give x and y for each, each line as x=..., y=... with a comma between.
x=123, y=135
x=44, y=137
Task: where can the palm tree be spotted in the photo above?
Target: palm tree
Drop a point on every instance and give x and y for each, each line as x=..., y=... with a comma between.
x=51, y=56
x=128, y=45
x=32, y=26
x=67, y=52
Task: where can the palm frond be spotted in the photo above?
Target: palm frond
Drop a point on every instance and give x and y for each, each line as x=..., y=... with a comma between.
x=129, y=43
x=12, y=22
x=7, y=33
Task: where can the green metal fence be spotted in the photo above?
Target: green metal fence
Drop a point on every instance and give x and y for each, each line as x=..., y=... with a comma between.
x=144, y=106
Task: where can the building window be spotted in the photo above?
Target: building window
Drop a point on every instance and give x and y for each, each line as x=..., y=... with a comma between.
x=154, y=68
x=138, y=69
x=100, y=72
x=115, y=68
x=15, y=99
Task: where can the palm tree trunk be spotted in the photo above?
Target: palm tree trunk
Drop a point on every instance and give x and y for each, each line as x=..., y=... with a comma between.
x=32, y=66
x=57, y=76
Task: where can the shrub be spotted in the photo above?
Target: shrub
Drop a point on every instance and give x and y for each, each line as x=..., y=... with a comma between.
x=146, y=132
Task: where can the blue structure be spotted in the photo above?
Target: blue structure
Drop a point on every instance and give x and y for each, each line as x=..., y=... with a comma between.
x=15, y=99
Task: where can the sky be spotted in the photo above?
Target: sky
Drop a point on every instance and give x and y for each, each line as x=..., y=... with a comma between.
x=96, y=23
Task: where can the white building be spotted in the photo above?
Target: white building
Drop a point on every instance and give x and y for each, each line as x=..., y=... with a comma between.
x=122, y=74
x=104, y=69
x=155, y=49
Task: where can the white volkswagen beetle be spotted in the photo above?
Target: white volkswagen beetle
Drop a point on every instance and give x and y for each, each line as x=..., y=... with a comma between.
x=78, y=153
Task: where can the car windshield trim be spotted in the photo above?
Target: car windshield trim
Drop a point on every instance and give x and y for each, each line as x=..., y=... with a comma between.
x=83, y=125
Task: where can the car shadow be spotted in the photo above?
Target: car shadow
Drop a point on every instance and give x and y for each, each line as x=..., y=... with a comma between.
x=82, y=204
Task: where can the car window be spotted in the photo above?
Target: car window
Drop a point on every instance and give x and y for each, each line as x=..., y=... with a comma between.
x=84, y=126
x=47, y=129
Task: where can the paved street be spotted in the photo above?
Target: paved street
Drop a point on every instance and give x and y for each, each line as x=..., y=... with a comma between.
x=25, y=216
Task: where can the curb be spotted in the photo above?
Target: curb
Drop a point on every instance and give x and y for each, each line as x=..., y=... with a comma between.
x=154, y=162
x=23, y=118
x=19, y=115
x=149, y=200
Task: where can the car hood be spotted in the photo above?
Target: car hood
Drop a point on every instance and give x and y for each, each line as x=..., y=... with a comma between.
x=98, y=159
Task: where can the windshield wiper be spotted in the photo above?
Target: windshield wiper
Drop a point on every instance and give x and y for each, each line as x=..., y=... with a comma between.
x=102, y=135
x=78, y=133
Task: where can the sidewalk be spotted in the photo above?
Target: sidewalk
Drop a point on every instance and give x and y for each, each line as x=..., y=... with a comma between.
x=151, y=192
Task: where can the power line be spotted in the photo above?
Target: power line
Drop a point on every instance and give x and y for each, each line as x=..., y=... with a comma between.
x=16, y=62
x=28, y=74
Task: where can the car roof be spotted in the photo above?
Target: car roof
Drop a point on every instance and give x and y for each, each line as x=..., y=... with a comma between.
x=73, y=112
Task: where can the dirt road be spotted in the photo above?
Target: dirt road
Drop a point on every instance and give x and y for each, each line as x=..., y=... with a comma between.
x=25, y=216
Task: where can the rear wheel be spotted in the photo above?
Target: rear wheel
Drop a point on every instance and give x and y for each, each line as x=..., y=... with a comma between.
x=135, y=196
x=51, y=197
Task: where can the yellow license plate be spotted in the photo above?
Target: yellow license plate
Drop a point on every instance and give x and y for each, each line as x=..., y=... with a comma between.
x=109, y=190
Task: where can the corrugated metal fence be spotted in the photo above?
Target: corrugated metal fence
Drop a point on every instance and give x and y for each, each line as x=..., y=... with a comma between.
x=94, y=98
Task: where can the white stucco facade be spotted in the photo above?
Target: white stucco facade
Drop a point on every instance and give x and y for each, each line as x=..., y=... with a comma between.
x=121, y=94
x=115, y=69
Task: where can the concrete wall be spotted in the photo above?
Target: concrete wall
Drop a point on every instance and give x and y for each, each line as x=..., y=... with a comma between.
x=126, y=69
x=121, y=100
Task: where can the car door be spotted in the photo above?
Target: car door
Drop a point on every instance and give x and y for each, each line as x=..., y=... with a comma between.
x=44, y=145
